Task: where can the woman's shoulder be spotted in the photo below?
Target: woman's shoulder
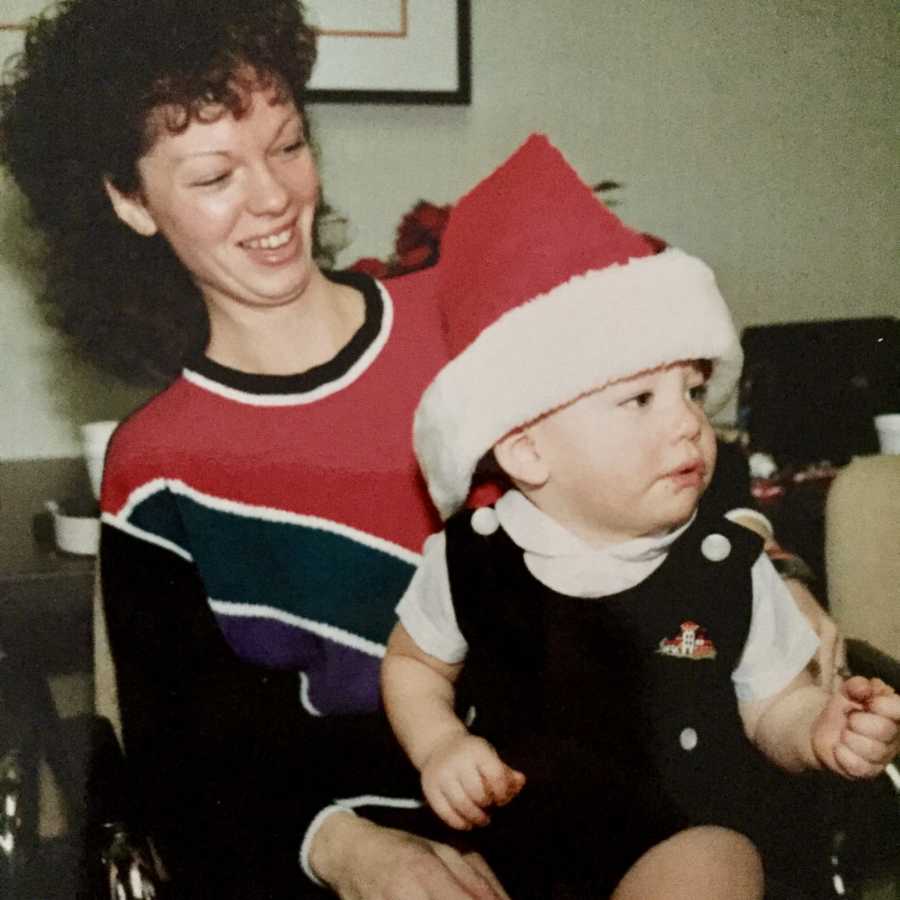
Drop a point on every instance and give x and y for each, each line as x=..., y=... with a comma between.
x=165, y=405
x=143, y=441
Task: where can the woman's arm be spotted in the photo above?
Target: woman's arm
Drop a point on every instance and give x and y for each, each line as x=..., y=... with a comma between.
x=226, y=767
x=230, y=772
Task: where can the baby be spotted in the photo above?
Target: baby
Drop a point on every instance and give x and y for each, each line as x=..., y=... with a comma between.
x=597, y=631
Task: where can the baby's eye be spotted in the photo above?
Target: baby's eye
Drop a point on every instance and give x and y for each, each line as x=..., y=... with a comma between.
x=639, y=401
x=698, y=393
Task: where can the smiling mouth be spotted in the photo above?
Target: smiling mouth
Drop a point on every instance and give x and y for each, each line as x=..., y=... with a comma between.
x=270, y=241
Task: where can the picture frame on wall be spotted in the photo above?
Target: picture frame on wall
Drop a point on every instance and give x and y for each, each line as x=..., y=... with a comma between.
x=391, y=51
x=14, y=14
x=370, y=51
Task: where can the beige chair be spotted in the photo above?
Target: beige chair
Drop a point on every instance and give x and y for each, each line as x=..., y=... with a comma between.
x=862, y=561
x=862, y=551
x=106, y=698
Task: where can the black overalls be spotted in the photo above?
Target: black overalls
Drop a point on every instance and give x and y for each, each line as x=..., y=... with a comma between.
x=621, y=711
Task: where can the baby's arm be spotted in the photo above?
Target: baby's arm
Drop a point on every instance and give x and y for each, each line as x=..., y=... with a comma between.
x=854, y=731
x=462, y=774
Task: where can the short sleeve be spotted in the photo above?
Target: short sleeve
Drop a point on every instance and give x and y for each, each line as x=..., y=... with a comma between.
x=781, y=642
x=426, y=609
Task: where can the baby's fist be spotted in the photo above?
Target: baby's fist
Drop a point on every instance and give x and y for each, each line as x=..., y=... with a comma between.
x=870, y=739
x=464, y=776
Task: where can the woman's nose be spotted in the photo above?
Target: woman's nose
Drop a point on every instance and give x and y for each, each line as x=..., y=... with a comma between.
x=266, y=194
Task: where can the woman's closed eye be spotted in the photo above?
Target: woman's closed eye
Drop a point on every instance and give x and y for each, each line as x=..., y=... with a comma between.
x=293, y=147
x=210, y=180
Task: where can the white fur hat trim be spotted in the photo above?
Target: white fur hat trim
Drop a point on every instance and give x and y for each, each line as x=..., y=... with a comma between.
x=595, y=328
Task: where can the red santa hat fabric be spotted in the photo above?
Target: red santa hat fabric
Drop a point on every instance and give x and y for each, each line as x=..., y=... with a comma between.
x=546, y=295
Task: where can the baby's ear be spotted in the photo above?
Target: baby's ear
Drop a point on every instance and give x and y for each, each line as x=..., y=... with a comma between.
x=518, y=456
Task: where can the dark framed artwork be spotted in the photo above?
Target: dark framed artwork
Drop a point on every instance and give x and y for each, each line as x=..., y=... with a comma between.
x=392, y=51
x=370, y=51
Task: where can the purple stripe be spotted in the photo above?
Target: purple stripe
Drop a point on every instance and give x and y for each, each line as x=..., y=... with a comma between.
x=341, y=679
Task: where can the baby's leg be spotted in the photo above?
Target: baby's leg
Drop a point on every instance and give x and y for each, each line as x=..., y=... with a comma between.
x=707, y=861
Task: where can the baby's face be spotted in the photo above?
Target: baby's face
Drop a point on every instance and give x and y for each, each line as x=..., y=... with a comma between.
x=631, y=459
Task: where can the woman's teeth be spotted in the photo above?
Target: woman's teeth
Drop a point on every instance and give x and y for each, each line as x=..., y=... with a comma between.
x=270, y=242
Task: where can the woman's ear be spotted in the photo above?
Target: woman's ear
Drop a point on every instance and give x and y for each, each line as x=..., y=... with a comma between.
x=130, y=209
x=518, y=456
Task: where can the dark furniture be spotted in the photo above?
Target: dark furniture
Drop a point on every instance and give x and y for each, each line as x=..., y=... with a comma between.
x=809, y=390
x=45, y=595
x=45, y=630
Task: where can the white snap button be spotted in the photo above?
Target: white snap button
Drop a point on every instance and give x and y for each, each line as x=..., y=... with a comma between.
x=484, y=521
x=688, y=739
x=715, y=547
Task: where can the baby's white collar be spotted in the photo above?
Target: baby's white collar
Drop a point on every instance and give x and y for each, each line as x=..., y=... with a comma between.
x=567, y=564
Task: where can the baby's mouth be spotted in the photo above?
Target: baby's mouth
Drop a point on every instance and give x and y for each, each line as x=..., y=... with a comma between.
x=688, y=475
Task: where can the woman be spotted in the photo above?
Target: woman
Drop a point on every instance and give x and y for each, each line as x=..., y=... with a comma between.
x=263, y=514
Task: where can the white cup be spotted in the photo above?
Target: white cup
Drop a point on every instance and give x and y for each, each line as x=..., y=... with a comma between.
x=74, y=534
x=888, y=428
x=94, y=438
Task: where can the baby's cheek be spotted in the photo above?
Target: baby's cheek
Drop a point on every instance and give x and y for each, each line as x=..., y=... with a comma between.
x=709, y=451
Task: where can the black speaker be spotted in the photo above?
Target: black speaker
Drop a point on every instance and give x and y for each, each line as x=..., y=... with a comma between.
x=809, y=390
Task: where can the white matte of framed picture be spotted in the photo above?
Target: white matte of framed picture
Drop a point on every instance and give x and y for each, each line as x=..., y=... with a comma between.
x=370, y=51
x=13, y=15
x=391, y=51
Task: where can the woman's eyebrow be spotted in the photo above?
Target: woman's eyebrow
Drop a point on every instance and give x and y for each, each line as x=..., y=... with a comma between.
x=290, y=119
x=195, y=153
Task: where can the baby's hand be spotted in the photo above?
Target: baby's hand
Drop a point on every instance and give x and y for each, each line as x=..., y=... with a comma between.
x=463, y=776
x=858, y=732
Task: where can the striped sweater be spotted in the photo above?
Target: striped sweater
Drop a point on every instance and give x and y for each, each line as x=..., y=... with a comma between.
x=258, y=532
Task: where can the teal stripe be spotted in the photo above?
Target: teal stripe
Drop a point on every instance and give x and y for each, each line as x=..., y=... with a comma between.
x=159, y=515
x=294, y=568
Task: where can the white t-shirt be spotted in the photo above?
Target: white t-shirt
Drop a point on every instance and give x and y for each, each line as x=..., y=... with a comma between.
x=779, y=645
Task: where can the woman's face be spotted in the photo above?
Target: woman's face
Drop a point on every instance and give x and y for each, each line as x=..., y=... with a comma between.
x=235, y=199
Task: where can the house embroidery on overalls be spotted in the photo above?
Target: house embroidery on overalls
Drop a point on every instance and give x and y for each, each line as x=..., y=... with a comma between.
x=692, y=643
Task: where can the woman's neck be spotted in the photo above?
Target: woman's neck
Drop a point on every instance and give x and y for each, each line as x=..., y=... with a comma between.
x=288, y=339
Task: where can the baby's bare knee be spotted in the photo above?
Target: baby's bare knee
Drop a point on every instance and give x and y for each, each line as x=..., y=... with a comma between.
x=706, y=861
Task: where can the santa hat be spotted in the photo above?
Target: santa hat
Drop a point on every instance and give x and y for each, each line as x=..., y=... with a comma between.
x=544, y=296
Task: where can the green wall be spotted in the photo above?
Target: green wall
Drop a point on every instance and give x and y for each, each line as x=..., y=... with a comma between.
x=757, y=134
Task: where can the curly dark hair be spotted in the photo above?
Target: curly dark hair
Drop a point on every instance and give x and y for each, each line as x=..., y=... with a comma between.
x=74, y=109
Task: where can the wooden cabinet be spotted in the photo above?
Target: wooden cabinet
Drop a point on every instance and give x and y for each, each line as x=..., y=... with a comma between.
x=46, y=661
x=45, y=595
